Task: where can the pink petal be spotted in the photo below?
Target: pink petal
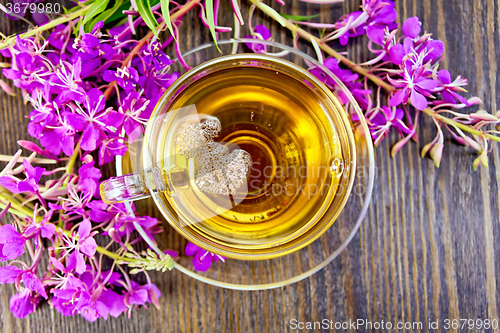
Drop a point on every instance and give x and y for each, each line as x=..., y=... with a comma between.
x=84, y=229
x=399, y=97
x=89, y=247
x=89, y=138
x=428, y=85
x=418, y=100
x=48, y=230
x=444, y=76
x=411, y=28
x=9, y=274
x=80, y=262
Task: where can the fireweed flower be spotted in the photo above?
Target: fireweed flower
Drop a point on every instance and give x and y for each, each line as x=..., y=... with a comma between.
x=202, y=259
x=11, y=243
x=126, y=78
x=66, y=83
x=85, y=244
x=448, y=88
x=29, y=184
x=153, y=55
x=111, y=145
x=262, y=33
x=136, y=111
x=92, y=120
x=382, y=122
x=412, y=86
x=23, y=303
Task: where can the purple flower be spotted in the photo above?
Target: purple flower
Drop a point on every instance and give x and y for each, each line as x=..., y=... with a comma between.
x=448, y=89
x=11, y=243
x=154, y=55
x=60, y=136
x=66, y=83
x=89, y=178
x=92, y=120
x=84, y=245
x=382, y=122
x=141, y=294
x=30, y=184
x=351, y=25
x=382, y=14
x=114, y=302
x=23, y=303
x=262, y=33
x=136, y=111
x=9, y=274
x=154, y=83
x=44, y=228
x=27, y=71
x=126, y=77
x=412, y=27
x=412, y=86
x=111, y=147
x=202, y=259
x=32, y=282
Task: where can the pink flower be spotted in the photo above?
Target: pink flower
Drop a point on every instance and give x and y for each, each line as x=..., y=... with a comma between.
x=30, y=184
x=23, y=303
x=11, y=243
x=86, y=244
x=202, y=259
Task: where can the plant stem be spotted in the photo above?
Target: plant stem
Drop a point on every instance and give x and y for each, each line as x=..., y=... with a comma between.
x=72, y=159
x=177, y=15
x=352, y=65
x=51, y=24
x=15, y=204
x=463, y=127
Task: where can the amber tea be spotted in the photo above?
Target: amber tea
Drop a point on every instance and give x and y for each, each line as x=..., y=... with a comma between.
x=260, y=165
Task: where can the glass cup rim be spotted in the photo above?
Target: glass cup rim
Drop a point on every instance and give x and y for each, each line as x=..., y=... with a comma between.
x=367, y=195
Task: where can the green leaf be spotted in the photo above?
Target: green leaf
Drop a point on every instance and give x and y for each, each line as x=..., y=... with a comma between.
x=97, y=7
x=104, y=16
x=144, y=9
x=210, y=19
x=166, y=15
x=119, y=13
x=298, y=18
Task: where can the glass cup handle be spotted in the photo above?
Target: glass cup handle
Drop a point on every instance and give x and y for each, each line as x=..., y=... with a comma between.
x=124, y=188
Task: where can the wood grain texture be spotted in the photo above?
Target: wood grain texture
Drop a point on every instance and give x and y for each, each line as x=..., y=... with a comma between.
x=429, y=248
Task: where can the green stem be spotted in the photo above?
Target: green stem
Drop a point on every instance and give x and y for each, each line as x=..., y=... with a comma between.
x=463, y=127
x=352, y=65
x=15, y=204
x=72, y=159
x=51, y=24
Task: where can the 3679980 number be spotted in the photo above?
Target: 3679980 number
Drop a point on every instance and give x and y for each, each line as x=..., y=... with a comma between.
x=470, y=324
x=25, y=7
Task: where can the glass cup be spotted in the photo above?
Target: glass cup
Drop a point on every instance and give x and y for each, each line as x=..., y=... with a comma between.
x=165, y=175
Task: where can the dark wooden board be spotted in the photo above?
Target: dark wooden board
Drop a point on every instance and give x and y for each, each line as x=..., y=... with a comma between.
x=429, y=248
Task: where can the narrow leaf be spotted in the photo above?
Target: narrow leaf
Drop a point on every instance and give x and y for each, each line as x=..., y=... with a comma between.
x=237, y=12
x=144, y=9
x=298, y=18
x=104, y=16
x=119, y=13
x=166, y=15
x=271, y=12
x=97, y=7
x=211, y=21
